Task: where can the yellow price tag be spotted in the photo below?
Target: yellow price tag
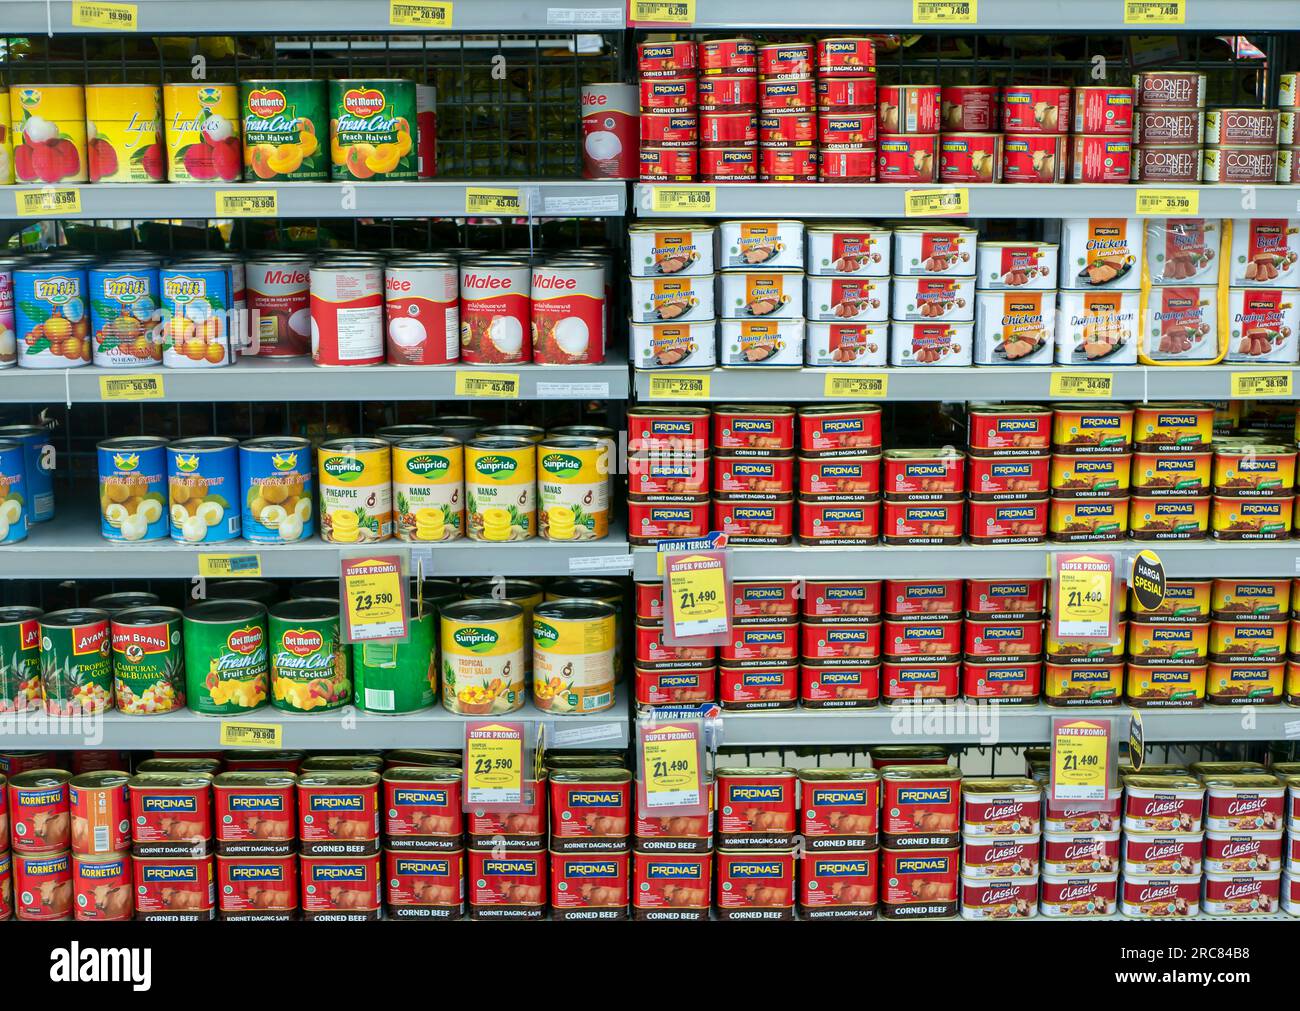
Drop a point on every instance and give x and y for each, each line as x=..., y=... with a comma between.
x=218, y=566
x=143, y=386
x=671, y=760
x=493, y=201
x=487, y=384
x=938, y=12
x=252, y=735
x=48, y=200
x=1085, y=591
x=684, y=199
x=374, y=604
x=1177, y=203
x=936, y=203
x=1071, y=385
x=419, y=15
x=1080, y=759
x=252, y=203
x=1252, y=385
x=871, y=385
x=1155, y=12
x=699, y=588
x=663, y=12
x=693, y=387
x=494, y=763
x=115, y=17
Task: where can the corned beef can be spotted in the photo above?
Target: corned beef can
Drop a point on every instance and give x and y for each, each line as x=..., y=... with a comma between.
x=1243, y=853
x=1100, y=159
x=523, y=830
x=914, y=681
x=1001, y=856
x=1163, y=804
x=923, y=475
x=1009, y=479
x=992, y=599
x=846, y=131
x=969, y=108
x=728, y=164
x=766, y=645
x=669, y=129
x=847, y=94
x=664, y=94
x=674, y=686
x=665, y=59
x=835, y=601
x=753, y=430
x=840, y=430
x=791, y=61
x=424, y=886
x=422, y=312
x=676, y=833
x=102, y=887
x=652, y=653
x=1168, y=127
x=171, y=813
x=6, y=886
x=838, y=886
x=667, y=477
x=1245, y=803
x=1170, y=89
x=495, y=311
x=907, y=158
x=1241, y=894
x=649, y=522
x=839, y=524
x=507, y=884
x=919, y=884
x=905, y=598
x=999, y=899
x=669, y=164
x=591, y=809
x=842, y=645
x=755, y=522
x=787, y=165
x=839, y=808
x=39, y=809
x=855, y=687
x=755, y=885
x=672, y=886
x=347, y=313
x=101, y=821
x=847, y=166
x=1005, y=681
x=591, y=886
x=841, y=55
x=1083, y=853
x=839, y=479
x=764, y=601
x=1035, y=158
x=42, y=885
x=1239, y=165
x=756, y=808
x=909, y=108
x=1103, y=110
x=1061, y=896
x=846, y=344
x=970, y=157
x=255, y=812
x=746, y=689
x=728, y=93
x=787, y=129
x=1008, y=522
x=568, y=313
x=788, y=96
x=726, y=56
x=174, y=889
x=1084, y=816
x=258, y=887
x=922, y=639
x=1036, y=109
x=920, y=806
x=987, y=638
x=669, y=430
x=422, y=808
x=1001, y=807
x=728, y=129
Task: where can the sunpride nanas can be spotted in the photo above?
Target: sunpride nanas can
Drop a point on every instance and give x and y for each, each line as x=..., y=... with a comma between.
x=225, y=657
x=573, y=486
x=310, y=665
x=429, y=488
x=276, y=489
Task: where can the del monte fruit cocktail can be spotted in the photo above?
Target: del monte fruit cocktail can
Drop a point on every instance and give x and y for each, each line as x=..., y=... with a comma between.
x=284, y=128
x=372, y=129
x=76, y=673
x=310, y=666
x=393, y=678
x=226, y=666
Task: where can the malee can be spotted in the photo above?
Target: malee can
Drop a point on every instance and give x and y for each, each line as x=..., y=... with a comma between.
x=202, y=126
x=196, y=308
x=49, y=133
x=13, y=493
x=123, y=299
x=372, y=130
x=284, y=127
x=76, y=673
x=279, y=304
x=50, y=317
x=20, y=662
x=133, y=504
x=310, y=665
x=429, y=489
x=276, y=489
x=573, y=487
x=347, y=312
x=422, y=311
x=124, y=141
x=148, y=662
x=356, y=495
x=226, y=667
x=395, y=678
x=482, y=657
x=426, y=131
x=573, y=656
x=568, y=313
x=38, y=462
x=495, y=311
x=501, y=489
x=202, y=482
x=609, y=131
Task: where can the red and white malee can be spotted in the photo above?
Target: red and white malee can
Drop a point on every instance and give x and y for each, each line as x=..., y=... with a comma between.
x=609, y=131
x=495, y=311
x=568, y=312
x=422, y=311
x=279, y=304
x=347, y=312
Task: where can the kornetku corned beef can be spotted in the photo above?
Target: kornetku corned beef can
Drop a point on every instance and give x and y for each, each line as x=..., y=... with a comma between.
x=102, y=887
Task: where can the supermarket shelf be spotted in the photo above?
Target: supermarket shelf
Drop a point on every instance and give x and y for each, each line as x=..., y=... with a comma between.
x=299, y=380
x=1016, y=383
x=1029, y=561
x=345, y=728
x=959, y=723
x=433, y=199
x=986, y=200
x=70, y=546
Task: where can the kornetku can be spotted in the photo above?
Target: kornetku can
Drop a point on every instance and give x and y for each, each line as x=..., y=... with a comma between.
x=394, y=678
x=285, y=130
x=20, y=661
x=276, y=489
x=310, y=665
x=429, y=488
x=196, y=308
x=13, y=492
x=202, y=485
x=226, y=666
x=38, y=468
x=123, y=299
x=50, y=317
x=76, y=673
x=133, y=504
x=148, y=662
x=356, y=495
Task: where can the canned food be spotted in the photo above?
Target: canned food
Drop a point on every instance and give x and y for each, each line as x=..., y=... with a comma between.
x=924, y=475
x=839, y=430
x=856, y=687
x=1100, y=159
x=735, y=56
x=755, y=522
x=843, y=524
x=1170, y=89
x=1092, y=684
x=844, y=54
x=1035, y=109
x=756, y=808
x=774, y=343
x=753, y=479
x=669, y=164
x=932, y=343
x=1035, y=158
x=969, y=108
x=1104, y=110
x=665, y=59
x=971, y=158
x=827, y=602
x=483, y=662
x=907, y=158
x=947, y=250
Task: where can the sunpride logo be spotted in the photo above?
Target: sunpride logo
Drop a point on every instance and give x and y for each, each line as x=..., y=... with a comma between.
x=498, y=468
x=428, y=465
x=475, y=639
x=561, y=465
x=545, y=635
x=345, y=468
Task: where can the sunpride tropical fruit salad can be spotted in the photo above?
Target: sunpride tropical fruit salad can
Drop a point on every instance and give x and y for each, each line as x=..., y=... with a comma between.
x=202, y=488
x=372, y=130
x=501, y=488
x=226, y=666
x=124, y=140
x=482, y=657
x=429, y=488
x=284, y=127
x=356, y=495
x=148, y=662
x=311, y=668
x=76, y=673
x=202, y=130
x=393, y=678
x=573, y=486
x=275, y=478
x=133, y=504
x=573, y=656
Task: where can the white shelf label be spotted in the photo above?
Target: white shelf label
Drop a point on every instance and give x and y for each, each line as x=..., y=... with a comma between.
x=574, y=391
x=1291, y=729
x=559, y=737
x=604, y=203
x=601, y=563
x=585, y=17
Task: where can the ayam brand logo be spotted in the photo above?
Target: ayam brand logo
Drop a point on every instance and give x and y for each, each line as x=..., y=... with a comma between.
x=336, y=802
x=255, y=802
x=87, y=871
x=162, y=803
x=267, y=102
x=30, y=633
x=363, y=102
x=588, y=869
x=763, y=679
x=302, y=641
x=831, y=868
x=409, y=796
x=337, y=872
x=840, y=677
x=93, y=640
x=664, y=871
x=136, y=641
x=244, y=640
x=168, y=873
x=255, y=872
x=498, y=468
x=427, y=866
x=838, y=797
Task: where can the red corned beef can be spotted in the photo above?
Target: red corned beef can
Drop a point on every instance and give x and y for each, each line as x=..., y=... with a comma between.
x=993, y=639
x=728, y=164
x=917, y=884
x=831, y=523
x=1073, y=897
x=424, y=886
x=756, y=808
x=589, y=886
x=1009, y=430
x=969, y=108
x=1035, y=158
x=909, y=108
x=906, y=598
x=764, y=601
x=1100, y=159
x=755, y=522
x=1243, y=804
x=520, y=830
x=1243, y=853
x=258, y=887
x=665, y=59
x=93, y=761
x=1008, y=479
x=970, y=157
x=668, y=430
x=1104, y=110
x=838, y=886
x=753, y=430
x=1241, y=894
x=669, y=129
x=922, y=639
x=171, y=813
x=1006, y=681
x=847, y=94
x=255, y=811
x=727, y=56
x=1035, y=109
x=767, y=645
x=728, y=129
x=422, y=809
x=1008, y=522
x=653, y=653
x=920, y=806
x=925, y=476
x=847, y=166
x=839, y=808
x=728, y=93
x=827, y=601
x=915, y=681
x=844, y=55
x=676, y=833
x=846, y=131
x=40, y=809
x=668, y=164
x=1078, y=853
x=839, y=687
x=1001, y=807
x=1077, y=816
x=787, y=96
x=507, y=885
x=1000, y=899
x=1008, y=857
x=338, y=813
x=840, y=478
x=990, y=599
x=591, y=810
x=6, y=885
x=672, y=686
x=102, y=887
x=1164, y=127
x=907, y=158
x=42, y=885
x=840, y=430
x=665, y=476
x=842, y=645
x=668, y=93
x=174, y=889
x=648, y=597
x=787, y=165
x=787, y=129
x=649, y=522
x=743, y=689
x=755, y=885
x=790, y=61
x=672, y=886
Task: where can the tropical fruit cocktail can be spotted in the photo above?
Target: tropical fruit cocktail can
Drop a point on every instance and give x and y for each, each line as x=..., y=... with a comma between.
x=372, y=129
x=483, y=657
x=284, y=130
x=76, y=672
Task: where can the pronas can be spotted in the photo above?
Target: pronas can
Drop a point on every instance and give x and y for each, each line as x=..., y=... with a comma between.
x=202, y=126
x=257, y=887
x=279, y=304
x=38, y=469
x=254, y=811
x=422, y=312
x=429, y=488
x=123, y=298
x=76, y=673
x=573, y=489
x=148, y=662
x=276, y=489
x=347, y=312
x=196, y=307
x=395, y=678
x=568, y=313
x=356, y=497
x=372, y=123
x=501, y=489
x=51, y=321
x=283, y=125
x=310, y=665
x=225, y=657
x=132, y=488
x=202, y=482
x=124, y=133
x=495, y=310
x=49, y=133
x=20, y=664
x=573, y=656
x=482, y=657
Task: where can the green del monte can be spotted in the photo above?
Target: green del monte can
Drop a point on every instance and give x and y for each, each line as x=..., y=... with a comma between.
x=226, y=667
x=310, y=666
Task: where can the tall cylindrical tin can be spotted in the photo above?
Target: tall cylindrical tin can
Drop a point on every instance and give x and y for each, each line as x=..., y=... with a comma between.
x=76, y=673
x=347, y=312
x=483, y=657
x=51, y=323
x=394, y=678
x=49, y=133
x=124, y=314
x=148, y=662
x=422, y=311
x=573, y=656
x=356, y=495
x=609, y=131
x=495, y=310
x=372, y=130
x=276, y=489
x=124, y=139
x=310, y=664
x=197, y=307
x=429, y=489
x=202, y=127
x=279, y=304
x=226, y=667
x=133, y=501
x=13, y=492
x=20, y=661
x=202, y=482
x=38, y=460
x=284, y=127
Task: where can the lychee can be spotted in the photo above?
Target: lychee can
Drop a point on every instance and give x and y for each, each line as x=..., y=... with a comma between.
x=279, y=304
x=422, y=311
x=132, y=488
x=202, y=127
x=347, y=312
x=609, y=131
x=202, y=482
x=49, y=133
x=495, y=311
x=276, y=489
x=124, y=133
x=568, y=313
x=285, y=130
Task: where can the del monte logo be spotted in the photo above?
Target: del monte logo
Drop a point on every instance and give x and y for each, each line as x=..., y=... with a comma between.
x=561, y=464
x=302, y=641
x=344, y=468
x=427, y=464
x=475, y=638
x=244, y=640
x=266, y=102
x=363, y=102
x=284, y=461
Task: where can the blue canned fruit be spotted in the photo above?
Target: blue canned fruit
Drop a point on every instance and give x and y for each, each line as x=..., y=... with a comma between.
x=133, y=489
x=124, y=315
x=196, y=310
x=275, y=476
x=50, y=316
x=38, y=458
x=13, y=489
x=203, y=489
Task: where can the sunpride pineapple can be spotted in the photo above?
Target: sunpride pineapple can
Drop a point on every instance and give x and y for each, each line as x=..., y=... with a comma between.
x=285, y=130
x=76, y=672
x=394, y=678
x=148, y=661
x=226, y=666
x=482, y=657
x=310, y=666
x=429, y=489
x=356, y=494
x=275, y=478
x=372, y=130
x=202, y=489
x=573, y=656
x=573, y=486
x=501, y=488
x=133, y=502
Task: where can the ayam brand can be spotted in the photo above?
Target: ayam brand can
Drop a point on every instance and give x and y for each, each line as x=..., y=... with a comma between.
x=907, y=158
x=1008, y=479
x=1170, y=89
x=1100, y=159
x=39, y=808
x=202, y=128
x=429, y=488
x=257, y=887
x=49, y=133
x=226, y=665
x=123, y=133
x=20, y=669
x=148, y=662
x=1104, y=110
x=665, y=59
x=311, y=667
x=373, y=124
x=202, y=482
x=969, y=108
x=671, y=886
x=51, y=317
x=919, y=883
x=42, y=886
x=356, y=502
x=669, y=164
x=197, y=308
x=422, y=312
x=396, y=678
x=670, y=130
x=905, y=108
x=276, y=489
x=347, y=315
x=1036, y=109
x=171, y=814
x=1035, y=158
x=255, y=813
x=338, y=813
x=507, y=884
x=970, y=157
x=341, y=889
x=102, y=887
x=424, y=886
x=76, y=672
x=755, y=884
x=123, y=299
x=422, y=809
x=284, y=130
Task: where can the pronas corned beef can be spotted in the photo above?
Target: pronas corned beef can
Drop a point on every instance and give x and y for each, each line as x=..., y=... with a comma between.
x=842, y=645
x=838, y=886
x=907, y=158
x=755, y=885
x=1100, y=159
x=846, y=131
x=920, y=806
x=675, y=686
x=675, y=833
x=1103, y=110
x=424, y=886
x=787, y=129
x=669, y=430
x=663, y=94
x=992, y=599
x=590, y=886
x=667, y=477
x=787, y=165
x=998, y=898
x=671, y=886
x=847, y=94
x=1035, y=158
x=841, y=601
x=909, y=108
x=746, y=689
x=669, y=164
x=728, y=164
x=753, y=430
x=568, y=313
x=652, y=653
x=669, y=129
x=970, y=157
x=792, y=61
x=986, y=638
x=856, y=687
x=1239, y=165
x=279, y=304
x=753, y=479
x=1088, y=852
x=665, y=59
x=726, y=56
x=904, y=598
x=918, y=884
x=1035, y=109
x=1170, y=89
x=1008, y=522
x=845, y=55
x=1062, y=896
x=770, y=644
x=1168, y=127
x=174, y=889
x=728, y=129
x=1005, y=682
x=847, y=166
x=755, y=522
x=756, y=808
x=648, y=601
x=922, y=639
x=649, y=522
x=841, y=524
x=422, y=312
x=1008, y=479
x=765, y=601
x=839, y=479
x=969, y=108
x=728, y=92
x=789, y=96
x=506, y=884
x=347, y=313
x=1243, y=853
x=495, y=311
x=923, y=475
